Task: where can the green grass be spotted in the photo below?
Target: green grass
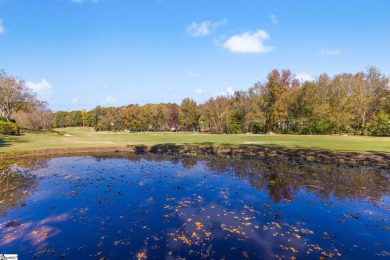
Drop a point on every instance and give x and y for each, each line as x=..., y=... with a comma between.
x=67, y=138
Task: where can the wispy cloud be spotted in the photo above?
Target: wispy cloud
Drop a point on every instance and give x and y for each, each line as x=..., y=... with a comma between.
x=334, y=52
x=274, y=19
x=2, y=28
x=199, y=91
x=191, y=74
x=108, y=100
x=42, y=88
x=228, y=92
x=75, y=101
x=83, y=1
x=302, y=77
x=201, y=29
x=249, y=42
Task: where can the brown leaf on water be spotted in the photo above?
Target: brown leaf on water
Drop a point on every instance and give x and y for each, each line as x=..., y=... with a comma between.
x=199, y=225
x=142, y=255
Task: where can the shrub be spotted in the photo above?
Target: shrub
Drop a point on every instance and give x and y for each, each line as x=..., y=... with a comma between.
x=9, y=128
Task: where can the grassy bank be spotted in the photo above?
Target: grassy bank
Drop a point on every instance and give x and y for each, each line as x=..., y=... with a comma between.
x=349, y=150
x=70, y=138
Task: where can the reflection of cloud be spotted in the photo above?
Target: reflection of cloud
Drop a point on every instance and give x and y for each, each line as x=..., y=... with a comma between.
x=249, y=42
x=36, y=232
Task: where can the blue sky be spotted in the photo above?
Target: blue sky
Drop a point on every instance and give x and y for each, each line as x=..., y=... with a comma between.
x=83, y=53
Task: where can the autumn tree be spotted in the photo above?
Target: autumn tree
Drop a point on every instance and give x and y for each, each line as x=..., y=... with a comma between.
x=173, y=119
x=83, y=113
x=159, y=117
x=370, y=90
x=40, y=117
x=189, y=114
x=132, y=118
x=217, y=111
x=14, y=96
x=274, y=95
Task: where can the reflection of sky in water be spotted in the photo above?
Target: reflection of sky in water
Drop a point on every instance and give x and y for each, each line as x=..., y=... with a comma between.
x=83, y=207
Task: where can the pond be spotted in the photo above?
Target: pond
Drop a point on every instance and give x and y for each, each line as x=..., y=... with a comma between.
x=161, y=207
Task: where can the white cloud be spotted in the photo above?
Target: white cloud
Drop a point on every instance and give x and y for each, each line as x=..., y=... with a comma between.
x=169, y=89
x=274, y=19
x=228, y=92
x=75, y=101
x=199, y=91
x=109, y=99
x=249, y=42
x=302, y=77
x=204, y=28
x=43, y=85
x=42, y=88
x=191, y=74
x=334, y=52
x=2, y=28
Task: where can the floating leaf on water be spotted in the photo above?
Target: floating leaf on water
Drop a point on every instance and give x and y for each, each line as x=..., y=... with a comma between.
x=199, y=225
x=297, y=236
x=350, y=216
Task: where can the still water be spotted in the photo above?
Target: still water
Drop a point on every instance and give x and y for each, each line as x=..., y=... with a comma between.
x=157, y=207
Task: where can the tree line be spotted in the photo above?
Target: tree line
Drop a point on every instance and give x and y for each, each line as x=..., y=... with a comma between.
x=343, y=104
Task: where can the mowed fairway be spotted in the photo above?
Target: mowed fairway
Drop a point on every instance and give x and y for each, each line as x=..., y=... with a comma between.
x=74, y=138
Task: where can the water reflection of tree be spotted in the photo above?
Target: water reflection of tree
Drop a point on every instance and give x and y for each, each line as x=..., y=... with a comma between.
x=17, y=183
x=284, y=179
